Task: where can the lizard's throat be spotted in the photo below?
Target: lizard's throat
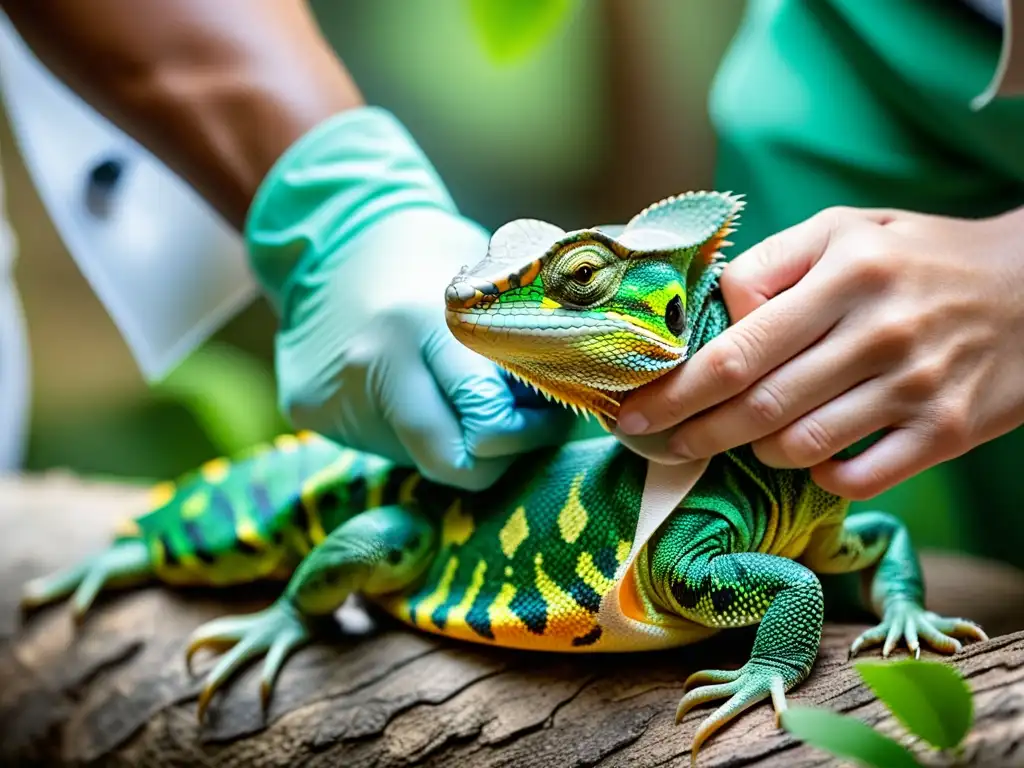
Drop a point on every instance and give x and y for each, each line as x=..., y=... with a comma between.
x=582, y=399
x=585, y=369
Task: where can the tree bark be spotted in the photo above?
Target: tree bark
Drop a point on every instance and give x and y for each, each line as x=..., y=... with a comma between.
x=116, y=692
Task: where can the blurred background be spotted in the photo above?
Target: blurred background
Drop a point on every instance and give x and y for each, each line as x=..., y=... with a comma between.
x=606, y=118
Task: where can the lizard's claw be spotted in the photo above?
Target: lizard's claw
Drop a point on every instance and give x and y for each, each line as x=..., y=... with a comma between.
x=754, y=682
x=277, y=632
x=123, y=564
x=907, y=621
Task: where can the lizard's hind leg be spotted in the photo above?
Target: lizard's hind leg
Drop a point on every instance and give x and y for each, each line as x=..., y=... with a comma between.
x=125, y=564
x=375, y=552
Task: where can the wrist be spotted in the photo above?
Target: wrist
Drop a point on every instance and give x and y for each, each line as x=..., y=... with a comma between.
x=349, y=172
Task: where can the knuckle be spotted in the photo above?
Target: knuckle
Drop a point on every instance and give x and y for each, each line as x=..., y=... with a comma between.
x=874, y=267
x=729, y=365
x=894, y=335
x=835, y=216
x=766, y=403
x=952, y=428
x=769, y=253
x=666, y=397
x=806, y=443
x=921, y=381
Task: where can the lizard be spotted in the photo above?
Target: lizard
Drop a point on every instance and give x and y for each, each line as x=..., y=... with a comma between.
x=561, y=554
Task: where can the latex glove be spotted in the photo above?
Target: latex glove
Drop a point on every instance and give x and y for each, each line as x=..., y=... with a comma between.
x=354, y=238
x=857, y=324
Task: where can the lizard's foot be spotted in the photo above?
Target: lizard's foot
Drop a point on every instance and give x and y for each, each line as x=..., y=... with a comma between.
x=905, y=620
x=754, y=682
x=277, y=632
x=123, y=564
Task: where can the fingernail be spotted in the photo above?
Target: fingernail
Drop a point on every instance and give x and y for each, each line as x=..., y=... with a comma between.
x=679, y=447
x=633, y=423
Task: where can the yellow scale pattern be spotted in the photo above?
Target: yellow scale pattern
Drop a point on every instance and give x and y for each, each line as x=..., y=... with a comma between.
x=566, y=619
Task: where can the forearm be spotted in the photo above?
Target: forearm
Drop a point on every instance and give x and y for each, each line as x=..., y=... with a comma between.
x=217, y=90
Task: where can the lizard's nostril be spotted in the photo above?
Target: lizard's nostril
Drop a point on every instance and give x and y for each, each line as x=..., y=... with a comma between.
x=458, y=293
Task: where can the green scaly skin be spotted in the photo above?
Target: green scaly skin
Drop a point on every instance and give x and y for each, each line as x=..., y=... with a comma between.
x=546, y=558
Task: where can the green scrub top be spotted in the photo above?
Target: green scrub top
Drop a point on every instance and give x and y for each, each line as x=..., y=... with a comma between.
x=867, y=103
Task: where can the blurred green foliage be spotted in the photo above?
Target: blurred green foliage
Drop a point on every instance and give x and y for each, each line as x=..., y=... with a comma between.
x=511, y=30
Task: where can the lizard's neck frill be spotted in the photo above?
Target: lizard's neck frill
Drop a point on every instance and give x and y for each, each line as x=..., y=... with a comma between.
x=603, y=406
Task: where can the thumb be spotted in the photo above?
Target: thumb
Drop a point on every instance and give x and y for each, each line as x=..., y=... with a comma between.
x=778, y=262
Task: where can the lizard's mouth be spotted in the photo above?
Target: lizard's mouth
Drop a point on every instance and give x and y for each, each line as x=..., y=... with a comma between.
x=587, y=364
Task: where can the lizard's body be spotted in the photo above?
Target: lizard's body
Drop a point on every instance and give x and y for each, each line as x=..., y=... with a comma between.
x=549, y=557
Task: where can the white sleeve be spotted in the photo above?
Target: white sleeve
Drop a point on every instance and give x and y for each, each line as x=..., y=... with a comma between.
x=167, y=268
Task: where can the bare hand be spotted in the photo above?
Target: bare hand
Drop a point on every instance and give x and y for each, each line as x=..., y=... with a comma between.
x=852, y=322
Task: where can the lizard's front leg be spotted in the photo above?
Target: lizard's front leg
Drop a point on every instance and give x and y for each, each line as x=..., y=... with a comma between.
x=704, y=582
x=879, y=541
x=375, y=552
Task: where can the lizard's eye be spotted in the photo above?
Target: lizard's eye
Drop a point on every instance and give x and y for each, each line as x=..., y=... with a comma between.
x=583, y=274
x=674, y=315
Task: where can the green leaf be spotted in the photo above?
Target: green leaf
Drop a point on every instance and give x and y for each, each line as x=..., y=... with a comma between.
x=229, y=394
x=513, y=29
x=930, y=698
x=846, y=737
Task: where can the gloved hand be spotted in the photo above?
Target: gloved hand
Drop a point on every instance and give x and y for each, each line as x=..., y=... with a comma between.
x=354, y=239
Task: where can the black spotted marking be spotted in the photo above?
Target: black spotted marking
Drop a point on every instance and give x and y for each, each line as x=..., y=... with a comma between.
x=588, y=639
x=585, y=596
x=606, y=562
x=393, y=484
x=261, y=503
x=529, y=605
x=722, y=599
x=514, y=278
x=328, y=501
x=221, y=506
x=844, y=550
x=477, y=618
x=434, y=497
x=170, y=555
x=357, y=491
x=869, y=537
x=245, y=547
x=414, y=542
x=455, y=595
x=394, y=557
x=199, y=546
x=687, y=593
x=674, y=316
x=300, y=515
x=439, y=618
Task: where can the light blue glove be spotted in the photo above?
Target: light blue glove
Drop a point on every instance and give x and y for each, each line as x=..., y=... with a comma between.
x=354, y=239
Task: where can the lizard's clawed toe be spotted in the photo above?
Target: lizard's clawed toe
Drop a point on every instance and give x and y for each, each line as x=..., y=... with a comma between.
x=744, y=687
x=277, y=632
x=912, y=624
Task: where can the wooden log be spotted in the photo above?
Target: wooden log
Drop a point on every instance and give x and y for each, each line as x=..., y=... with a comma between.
x=116, y=692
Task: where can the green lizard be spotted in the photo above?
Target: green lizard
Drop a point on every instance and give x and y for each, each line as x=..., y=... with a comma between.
x=577, y=548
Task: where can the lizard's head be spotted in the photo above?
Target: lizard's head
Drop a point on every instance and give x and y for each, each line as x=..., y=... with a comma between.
x=587, y=316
